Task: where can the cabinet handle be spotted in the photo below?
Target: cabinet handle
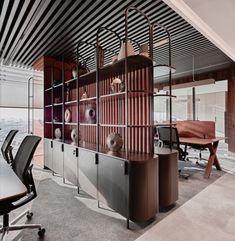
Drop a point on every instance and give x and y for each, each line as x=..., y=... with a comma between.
x=62, y=147
x=126, y=168
x=75, y=152
x=51, y=144
x=96, y=159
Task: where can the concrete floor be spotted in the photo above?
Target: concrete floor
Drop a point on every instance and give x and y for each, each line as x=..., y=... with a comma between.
x=208, y=216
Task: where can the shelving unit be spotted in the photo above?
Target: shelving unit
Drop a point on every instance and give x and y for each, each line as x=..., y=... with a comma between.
x=96, y=110
x=128, y=112
x=60, y=94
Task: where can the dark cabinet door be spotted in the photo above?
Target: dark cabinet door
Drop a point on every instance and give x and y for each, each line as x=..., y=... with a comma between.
x=58, y=157
x=48, y=145
x=87, y=172
x=113, y=183
x=71, y=163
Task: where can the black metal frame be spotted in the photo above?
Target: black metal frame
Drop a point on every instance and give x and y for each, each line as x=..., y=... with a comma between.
x=29, y=108
x=126, y=93
x=99, y=30
x=170, y=74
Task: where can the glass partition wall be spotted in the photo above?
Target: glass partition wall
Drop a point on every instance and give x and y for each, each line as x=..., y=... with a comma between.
x=210, y=104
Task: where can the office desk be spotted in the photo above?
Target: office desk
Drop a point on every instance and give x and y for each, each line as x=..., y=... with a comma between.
x=211, y=144
x=11, y=188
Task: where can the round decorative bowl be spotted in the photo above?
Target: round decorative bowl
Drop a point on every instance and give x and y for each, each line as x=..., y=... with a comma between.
x=90, y=114
x=67, y=116
x=114, y=142
x=57, y=133
x=74, y=136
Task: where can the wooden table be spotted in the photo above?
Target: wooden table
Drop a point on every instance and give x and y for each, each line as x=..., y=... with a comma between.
x=211, y=144
x=11, y=187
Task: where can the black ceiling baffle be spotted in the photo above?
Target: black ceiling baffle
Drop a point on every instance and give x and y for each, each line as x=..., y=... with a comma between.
x=31, y=29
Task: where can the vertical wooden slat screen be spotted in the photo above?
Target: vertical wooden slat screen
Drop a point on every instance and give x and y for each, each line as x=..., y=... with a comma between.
x=87, y=130
x=112, y=108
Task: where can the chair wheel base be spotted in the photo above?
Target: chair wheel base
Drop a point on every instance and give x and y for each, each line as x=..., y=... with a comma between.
x=29, y=215
x=41, y=232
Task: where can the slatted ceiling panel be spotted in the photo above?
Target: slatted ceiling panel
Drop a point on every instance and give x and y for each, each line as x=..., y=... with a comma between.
x=16, y=27
x=184, y=64
x=117, y=20
x=190, y=43
x=141, y=40
x=24, y=22
x=45, y=35
x=1, y=4
x=43, y=24
x=5, y=13
x=11, y=20
x=189, y=51
x=52, y=36
x=62, y=25
x=137, y=35
x=32, y=28
x=50, y=32
x=88, y=29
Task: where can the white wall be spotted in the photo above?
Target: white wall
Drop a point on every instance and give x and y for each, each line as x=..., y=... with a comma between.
x=215, y=19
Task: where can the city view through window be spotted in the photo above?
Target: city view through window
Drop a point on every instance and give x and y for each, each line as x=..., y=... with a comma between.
x=21, y=104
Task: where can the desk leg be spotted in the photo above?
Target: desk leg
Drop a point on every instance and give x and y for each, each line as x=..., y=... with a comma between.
x=213, y=160
x=216, y=161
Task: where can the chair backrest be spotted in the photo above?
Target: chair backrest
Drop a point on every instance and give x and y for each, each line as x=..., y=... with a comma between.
x=7, y=145
x=164, y=137
x=23, y=157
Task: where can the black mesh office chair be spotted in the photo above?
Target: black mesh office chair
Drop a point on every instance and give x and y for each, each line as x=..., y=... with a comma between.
x=6, y=146
x=164, y=141
x=200, y=148
x=23, y=169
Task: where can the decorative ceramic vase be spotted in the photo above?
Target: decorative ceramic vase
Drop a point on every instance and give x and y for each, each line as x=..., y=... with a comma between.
x=56, y=82
x=117, y=82
x=84, y=95
x=74, y=73
x=90, y=114
x=114, y=142
x=144, y=50
x=56, y=119
x=122, y=87
x=67, y=94
x=57, y=100
x=130, y=50
x=112, y=88
x=57, y=133
x=67, y=116
x=114, y=58
x=81, y=71
x=74, y=136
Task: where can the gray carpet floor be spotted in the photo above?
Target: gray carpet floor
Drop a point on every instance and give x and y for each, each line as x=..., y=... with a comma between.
x=68, y=216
